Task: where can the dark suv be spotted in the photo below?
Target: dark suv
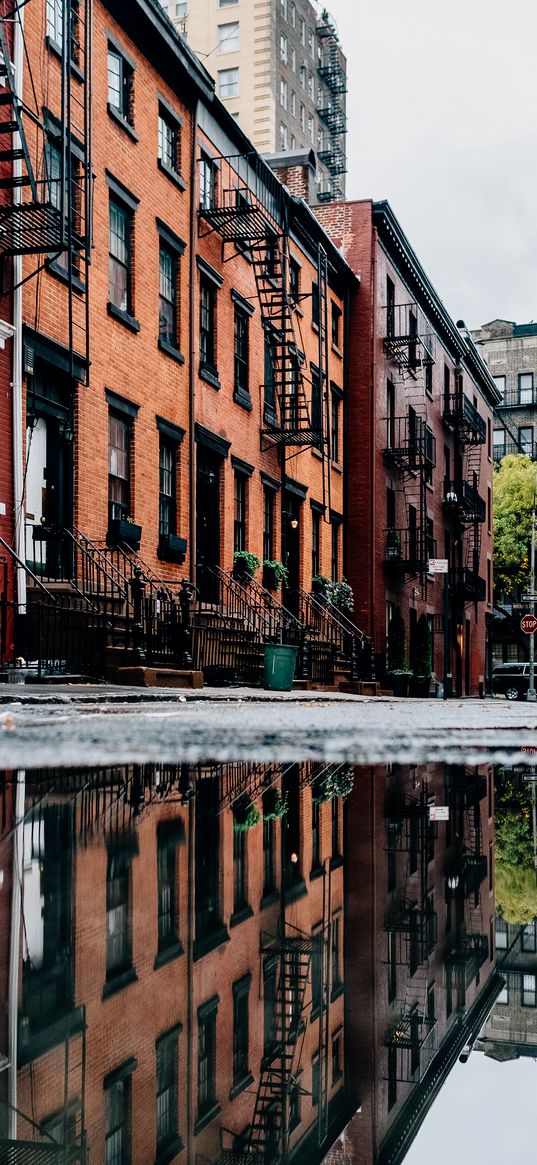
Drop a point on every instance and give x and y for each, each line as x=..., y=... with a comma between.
x=511, y=680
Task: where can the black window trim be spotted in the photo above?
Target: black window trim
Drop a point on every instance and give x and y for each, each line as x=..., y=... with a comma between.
x=243, y=304
x=209, y=271
x=121, y=404
x=241, y=466
x=170, y=238
x=169, y=430
x=121, y=192
x=122, y=1072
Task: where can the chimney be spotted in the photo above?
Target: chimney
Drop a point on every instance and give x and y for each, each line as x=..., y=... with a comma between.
x=297, y=170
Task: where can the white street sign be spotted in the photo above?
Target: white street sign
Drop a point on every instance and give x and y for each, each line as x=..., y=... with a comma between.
x=438, y=566
x=439, y=813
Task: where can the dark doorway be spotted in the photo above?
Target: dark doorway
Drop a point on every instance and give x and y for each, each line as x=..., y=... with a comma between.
x=467, y=655
x=207, y=521
x=291, y=547
x=49, y=495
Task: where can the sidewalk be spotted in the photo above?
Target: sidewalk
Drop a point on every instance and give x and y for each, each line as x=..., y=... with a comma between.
x=125, y=694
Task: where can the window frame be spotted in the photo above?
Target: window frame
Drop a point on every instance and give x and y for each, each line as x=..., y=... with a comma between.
x=169, y=303
x=168, y=121
x=124, y=111
x=120, y=209
x=226, y=43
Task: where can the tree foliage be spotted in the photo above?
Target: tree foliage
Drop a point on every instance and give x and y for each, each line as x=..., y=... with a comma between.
x=514, y=490
x=516, y=893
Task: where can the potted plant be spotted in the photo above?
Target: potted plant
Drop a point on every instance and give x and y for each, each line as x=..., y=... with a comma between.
x=422, y=658
x=125, y=530
x=245, y=815
x=341, y=595
x=320, y=586
x=274, y=574
x=245, y=564
x=274, y=805
x=336, y=782
x=396, y=656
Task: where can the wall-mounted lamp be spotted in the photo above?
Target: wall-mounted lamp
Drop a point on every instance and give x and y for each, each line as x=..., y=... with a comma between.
x=293, y=521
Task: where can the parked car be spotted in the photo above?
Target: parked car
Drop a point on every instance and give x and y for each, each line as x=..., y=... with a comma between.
x=511, y=680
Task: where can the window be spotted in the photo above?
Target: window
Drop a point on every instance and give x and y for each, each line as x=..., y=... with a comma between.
x=228, y=37
x=293, y=114
x=310, y=41
x=71, y=206
x=337, y=1057
x=268, y=524
x=207, y=323
x=283, y=136
x=489, y=509
x=315, y=543
x=168, y=276
x=117, y=1144
x=269, y=395
x=336, y=817
x=529, y=937
x=525, y=388
x=293, y=15
x=525, y=440
x=390, y=307
x=498, y=443
x=316, y=401
x=529, y=986
x=207, y=1057
x=392, y=963
x=302, y=116
x=315, y=1081
x=240, y=870
x=335, y=551
x=315, y=304
x=302, y=31
x=207, y=182
x=315, y=827
x=239, y=521
x=120, y=257
x=169, y=142
x=241, y=1071
x=55, y=21
x=283, y=48
x=303, y=76
x=168, y=923
x=336, y=952
x=311, y=86
x=269, y=881
x=119, y=474
x=294, y=280
x=228, y=82
x=293, y=66
x=118, y=923
x=334, y=434
x=336, y=325
x=167, y=1052
x=316, y=972
x=503, y=997
x=311, y=128
x=283, y=93
x=501, y=934
x=224, y=3
x=241, y=357
x=120, y=85
x=283, y=6
x=500, y=384
x=429, y=379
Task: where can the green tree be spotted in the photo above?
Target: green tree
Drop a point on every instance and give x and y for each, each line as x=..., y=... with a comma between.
x=516, y=893
x=515, y=481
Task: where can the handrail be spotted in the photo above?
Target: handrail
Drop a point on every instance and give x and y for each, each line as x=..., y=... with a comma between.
x=274, y=604
x=25, y=567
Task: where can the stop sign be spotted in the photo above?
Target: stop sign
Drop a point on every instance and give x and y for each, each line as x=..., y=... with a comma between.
x=528, y=623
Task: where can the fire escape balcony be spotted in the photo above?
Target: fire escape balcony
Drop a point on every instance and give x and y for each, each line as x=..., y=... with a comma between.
x=514, y=448
x=461, y=413
x=330, y=70
x=333, y=115
x=333, y=157
x=417, y=928
x=468, y=585
x=408, y=340
x=408, y=827
x=474, y=872
x=463, y=502
x=236, y=216
x=468, y=955
x=411, y=445
x=408, y=550
x=469, y=787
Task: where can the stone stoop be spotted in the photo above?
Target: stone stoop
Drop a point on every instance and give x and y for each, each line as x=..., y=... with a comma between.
x=155, y=677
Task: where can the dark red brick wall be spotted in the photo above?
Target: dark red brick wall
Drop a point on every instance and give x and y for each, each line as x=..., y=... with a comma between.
x=7, y=526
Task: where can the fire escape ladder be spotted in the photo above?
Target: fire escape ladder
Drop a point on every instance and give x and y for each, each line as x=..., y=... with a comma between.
x=76, y=173
x=331, y=109
x=293, y=424
x=19, y=149
x=279, y=1066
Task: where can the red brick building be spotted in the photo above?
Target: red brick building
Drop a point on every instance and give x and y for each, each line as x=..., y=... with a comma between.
x=419, y=451
x=7, y=500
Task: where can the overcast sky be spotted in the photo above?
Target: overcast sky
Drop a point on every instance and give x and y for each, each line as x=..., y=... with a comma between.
x=442, y=122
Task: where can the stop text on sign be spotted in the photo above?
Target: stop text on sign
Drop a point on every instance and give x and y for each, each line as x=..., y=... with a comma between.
x=528, y=624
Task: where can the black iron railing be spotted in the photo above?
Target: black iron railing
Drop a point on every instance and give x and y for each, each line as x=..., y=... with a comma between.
x=409, y=549
x=410, y=443
x=461, y=499
x=460, y=411
x=514, y=449
x=468, y=584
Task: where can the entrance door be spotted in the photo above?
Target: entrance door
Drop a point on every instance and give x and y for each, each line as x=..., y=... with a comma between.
x=48, y=499
x=207, y=521
x=467, y=656
x=291, y=548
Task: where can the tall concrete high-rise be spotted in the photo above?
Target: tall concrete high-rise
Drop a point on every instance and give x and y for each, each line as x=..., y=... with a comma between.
x=280, y=70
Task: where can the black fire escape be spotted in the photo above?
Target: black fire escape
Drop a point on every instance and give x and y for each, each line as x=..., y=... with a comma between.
x=49, y=213
x=331, y=109
x=251, y=215
x=411, y=924
x=468, y=866
x=462, y=500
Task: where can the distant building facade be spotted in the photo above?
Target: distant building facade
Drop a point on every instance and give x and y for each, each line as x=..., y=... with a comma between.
x=511, y=1029
x=280, y=71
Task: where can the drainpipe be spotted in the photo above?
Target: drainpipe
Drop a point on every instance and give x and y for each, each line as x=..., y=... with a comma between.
x=14, y=949
x=372, y=438
x=16, y=384
x=192, y=341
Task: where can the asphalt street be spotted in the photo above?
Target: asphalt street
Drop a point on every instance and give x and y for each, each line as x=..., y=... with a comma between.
x=88, y=726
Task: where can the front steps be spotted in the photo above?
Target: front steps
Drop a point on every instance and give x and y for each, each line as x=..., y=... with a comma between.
x=153, y=677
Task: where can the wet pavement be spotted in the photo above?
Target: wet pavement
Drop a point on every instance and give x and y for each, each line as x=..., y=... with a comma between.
x=248, y=929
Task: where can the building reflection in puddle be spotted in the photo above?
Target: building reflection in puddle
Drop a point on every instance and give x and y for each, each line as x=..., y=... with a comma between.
x=240, y=963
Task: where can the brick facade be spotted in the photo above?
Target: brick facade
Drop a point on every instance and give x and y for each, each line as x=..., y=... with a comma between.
x=7, y=500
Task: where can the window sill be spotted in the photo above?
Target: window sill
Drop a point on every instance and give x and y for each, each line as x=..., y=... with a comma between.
x=269, y=899
x=206, y=1119
x=55, y=268
x=336, y=862
x=316, y=872
x=169, y=1151
x=242, y=398
x=337, y=351
x=55, y=49
x=123, y=317
x=171, y=351
x=241, y=915
x=171, y=174
x=167, y=955
x=337, y=991
x=210, y=375
x=209, y=942
x=240, y=1085
x=124, y=979
x=336, y=467
x=316, y=452
x=122, y=121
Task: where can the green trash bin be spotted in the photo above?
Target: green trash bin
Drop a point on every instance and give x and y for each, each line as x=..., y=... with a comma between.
x=280, y=662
